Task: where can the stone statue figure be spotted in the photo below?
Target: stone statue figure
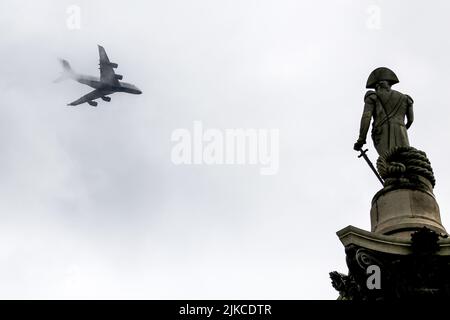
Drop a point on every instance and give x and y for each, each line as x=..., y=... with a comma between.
x=388, y=108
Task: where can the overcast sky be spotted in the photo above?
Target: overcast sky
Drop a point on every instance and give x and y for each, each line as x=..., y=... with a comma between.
x=91, y=205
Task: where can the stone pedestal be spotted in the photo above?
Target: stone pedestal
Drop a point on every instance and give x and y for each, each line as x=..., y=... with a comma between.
x=400, y=212
x=407, y=244
x=409, y=268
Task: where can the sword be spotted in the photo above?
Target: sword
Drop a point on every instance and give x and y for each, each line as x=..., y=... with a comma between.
x=364, y=155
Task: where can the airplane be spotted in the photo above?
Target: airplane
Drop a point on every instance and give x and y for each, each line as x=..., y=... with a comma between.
x=107, y=84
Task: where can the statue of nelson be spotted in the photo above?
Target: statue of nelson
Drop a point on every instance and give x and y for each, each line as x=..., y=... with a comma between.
x=388, y=108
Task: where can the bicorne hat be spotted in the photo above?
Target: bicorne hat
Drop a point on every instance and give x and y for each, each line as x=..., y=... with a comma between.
x=381, y=74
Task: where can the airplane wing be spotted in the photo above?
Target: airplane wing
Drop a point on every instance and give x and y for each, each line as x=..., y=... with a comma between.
x=107, y=74
x=88, y=97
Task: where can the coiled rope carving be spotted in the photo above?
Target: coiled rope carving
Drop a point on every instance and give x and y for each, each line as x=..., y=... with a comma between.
x=405, y=162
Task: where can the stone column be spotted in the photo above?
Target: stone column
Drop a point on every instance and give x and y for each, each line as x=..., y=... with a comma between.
x=407, y=244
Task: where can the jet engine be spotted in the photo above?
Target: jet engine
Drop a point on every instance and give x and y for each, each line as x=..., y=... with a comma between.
x=107, y=99
x=93, y=103
x=119, y=76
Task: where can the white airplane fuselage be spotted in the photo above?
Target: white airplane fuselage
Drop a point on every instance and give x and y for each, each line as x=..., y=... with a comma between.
x=95, y=83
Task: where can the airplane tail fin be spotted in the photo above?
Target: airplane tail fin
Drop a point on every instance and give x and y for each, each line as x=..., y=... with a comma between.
x=67, y=73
